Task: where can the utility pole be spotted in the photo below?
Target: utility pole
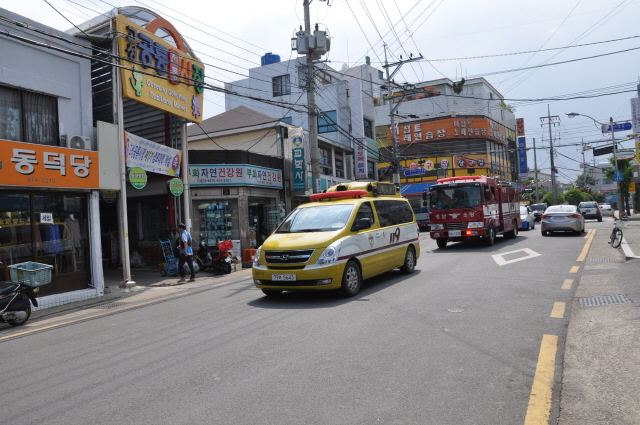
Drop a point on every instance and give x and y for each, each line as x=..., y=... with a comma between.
x=549, y=119
x=392, y=109
x=621, y=202
x=311, y=102
x=535, y=166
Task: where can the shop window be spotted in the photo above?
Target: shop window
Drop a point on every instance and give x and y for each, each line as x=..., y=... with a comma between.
x=328, y=122
x=371, y=174
x=281, y=85
x=28, y=117
x=339, y=164
x=216, y=221
x=324, y=158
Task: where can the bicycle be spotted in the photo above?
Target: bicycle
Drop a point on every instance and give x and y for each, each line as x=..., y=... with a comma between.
x=616, y=233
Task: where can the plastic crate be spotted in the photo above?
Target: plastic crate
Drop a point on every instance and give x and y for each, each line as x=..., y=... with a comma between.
x=225, y=245
x=31, y=274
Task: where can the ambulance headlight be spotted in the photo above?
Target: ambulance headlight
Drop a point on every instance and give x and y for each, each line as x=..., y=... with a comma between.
x=437, y=227
x=329, y=255
x=256, y=258
x=476, y=225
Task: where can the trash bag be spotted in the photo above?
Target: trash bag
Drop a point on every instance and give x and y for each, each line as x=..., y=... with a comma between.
x=137, y=260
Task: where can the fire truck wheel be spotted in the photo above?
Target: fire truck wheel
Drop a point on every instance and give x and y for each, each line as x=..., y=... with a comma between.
x=409, y=261
x=514, y=232
x=351, y=279
x=442, y=243
x=490, y=239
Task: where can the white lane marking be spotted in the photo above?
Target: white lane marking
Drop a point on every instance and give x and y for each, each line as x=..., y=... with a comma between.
x=500, y=259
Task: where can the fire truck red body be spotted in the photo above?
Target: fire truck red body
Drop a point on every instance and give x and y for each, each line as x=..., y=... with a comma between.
x=473, y=207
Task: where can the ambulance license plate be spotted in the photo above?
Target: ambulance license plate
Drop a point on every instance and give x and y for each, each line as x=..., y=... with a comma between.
x=283, y=277
x=453, y=233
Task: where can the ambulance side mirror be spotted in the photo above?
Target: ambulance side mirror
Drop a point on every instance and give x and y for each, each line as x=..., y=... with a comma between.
x=363, y=223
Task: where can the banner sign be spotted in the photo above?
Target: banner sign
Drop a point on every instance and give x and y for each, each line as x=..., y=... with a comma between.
x=176, y=187
x=361, y=159
x=522, y=154
x=621, y=126
x=450, y=128
x=29, y=164
x=520, y=126
x=298, y=165
x=152, y=156
x=157, y=74
x=470, y=161
x=234, y=175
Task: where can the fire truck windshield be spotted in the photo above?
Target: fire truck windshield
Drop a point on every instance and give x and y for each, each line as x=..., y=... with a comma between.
x=458, y=196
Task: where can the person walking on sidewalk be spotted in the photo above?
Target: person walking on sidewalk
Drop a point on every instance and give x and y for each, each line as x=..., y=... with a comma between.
x=186, y=254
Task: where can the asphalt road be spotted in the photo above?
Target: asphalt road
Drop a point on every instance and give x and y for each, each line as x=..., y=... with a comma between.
x=457, y=342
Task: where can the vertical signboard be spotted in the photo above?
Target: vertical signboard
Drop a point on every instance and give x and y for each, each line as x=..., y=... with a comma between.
x=522, y=154
x=361, y=159
x=635, y=120
x=298, y=164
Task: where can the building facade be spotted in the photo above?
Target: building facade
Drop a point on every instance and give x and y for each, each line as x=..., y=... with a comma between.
x=50, y=177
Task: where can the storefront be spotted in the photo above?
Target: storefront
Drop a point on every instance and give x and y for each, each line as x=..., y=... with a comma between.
x=48, y=214
x=243, y=203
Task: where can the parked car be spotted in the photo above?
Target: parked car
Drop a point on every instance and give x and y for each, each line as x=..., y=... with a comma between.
x=422, y=218
x=527, y=217
x=562, y=218
x=590, y=209
x=606, y=210
x=538, y=209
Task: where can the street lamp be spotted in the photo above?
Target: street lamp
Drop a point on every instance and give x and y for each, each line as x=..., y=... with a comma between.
x=613, y=140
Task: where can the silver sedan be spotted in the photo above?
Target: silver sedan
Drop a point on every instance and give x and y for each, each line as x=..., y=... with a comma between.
x=562, y=218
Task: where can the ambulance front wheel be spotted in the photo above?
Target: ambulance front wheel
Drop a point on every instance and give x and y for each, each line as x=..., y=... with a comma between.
x=351, y=279
x=442, y=243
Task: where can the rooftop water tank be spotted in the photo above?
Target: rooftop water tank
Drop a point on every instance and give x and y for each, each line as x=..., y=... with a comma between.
x=269, y=58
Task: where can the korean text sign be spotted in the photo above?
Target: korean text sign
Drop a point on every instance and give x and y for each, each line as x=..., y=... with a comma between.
x=361, y=159
x=449, y=128
x=157, y=74
x=151, y=156
x=28, y=164
x=234, y=175
x=298, y=165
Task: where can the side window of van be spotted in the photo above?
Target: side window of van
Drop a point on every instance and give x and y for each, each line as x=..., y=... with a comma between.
x=392, y=213
x=365, y=211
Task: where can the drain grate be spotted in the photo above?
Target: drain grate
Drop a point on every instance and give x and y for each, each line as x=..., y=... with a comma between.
x=109, y=305
x=605, y=260
x=604, y=300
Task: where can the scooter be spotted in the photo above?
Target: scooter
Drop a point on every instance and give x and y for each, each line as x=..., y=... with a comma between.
x=15, y=303
x=217, y=258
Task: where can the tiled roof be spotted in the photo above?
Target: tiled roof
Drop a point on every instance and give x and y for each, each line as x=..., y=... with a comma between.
x=236, y=118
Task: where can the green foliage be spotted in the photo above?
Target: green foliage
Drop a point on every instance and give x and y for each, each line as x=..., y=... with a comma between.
x=574, y=196
x=585, y=180
x=548, y=199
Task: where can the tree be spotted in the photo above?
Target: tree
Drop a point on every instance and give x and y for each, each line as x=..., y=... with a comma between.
x=575, y=196
x=585, y=180
x=548, y=199
x=624, y=165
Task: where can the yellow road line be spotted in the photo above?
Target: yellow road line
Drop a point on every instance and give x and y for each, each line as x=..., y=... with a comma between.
x=539, y=409
x=589, y=233
x=574, y=269
x=587, y=245
x=567, y=284
x=558, y=310
x=57, y=325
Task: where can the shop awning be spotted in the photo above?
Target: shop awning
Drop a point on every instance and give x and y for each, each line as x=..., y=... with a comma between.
x=415, y=188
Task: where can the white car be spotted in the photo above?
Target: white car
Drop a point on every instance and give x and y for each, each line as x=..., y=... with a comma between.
x=606, y=210
x=528, y=218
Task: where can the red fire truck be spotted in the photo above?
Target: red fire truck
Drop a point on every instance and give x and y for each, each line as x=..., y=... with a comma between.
x=471, y=208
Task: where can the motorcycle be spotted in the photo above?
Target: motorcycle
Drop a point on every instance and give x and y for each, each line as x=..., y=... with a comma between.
x=15, y=303
x=217, y=258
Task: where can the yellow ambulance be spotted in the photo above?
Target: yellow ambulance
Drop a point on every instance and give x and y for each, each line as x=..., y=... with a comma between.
x=351, y=232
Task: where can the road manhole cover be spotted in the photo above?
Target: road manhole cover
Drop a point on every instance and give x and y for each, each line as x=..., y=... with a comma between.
x=605, y=260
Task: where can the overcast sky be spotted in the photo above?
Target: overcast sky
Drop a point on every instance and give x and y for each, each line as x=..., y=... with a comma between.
x=592, y=73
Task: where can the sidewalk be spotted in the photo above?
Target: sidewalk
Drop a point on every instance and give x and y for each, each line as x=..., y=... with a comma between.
x=602, y=349
x=149, y=286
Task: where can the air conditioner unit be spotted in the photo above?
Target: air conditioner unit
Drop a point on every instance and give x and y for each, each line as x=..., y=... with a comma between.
x=74, y=141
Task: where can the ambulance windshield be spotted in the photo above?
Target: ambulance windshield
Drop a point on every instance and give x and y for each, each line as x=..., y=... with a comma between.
x=448, y=197
x=318, y=218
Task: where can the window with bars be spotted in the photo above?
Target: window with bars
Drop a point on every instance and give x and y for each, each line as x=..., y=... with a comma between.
x=339, y=164
x=28, y=117
x=281, y=85
x=368, y=128
x=324, y=158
